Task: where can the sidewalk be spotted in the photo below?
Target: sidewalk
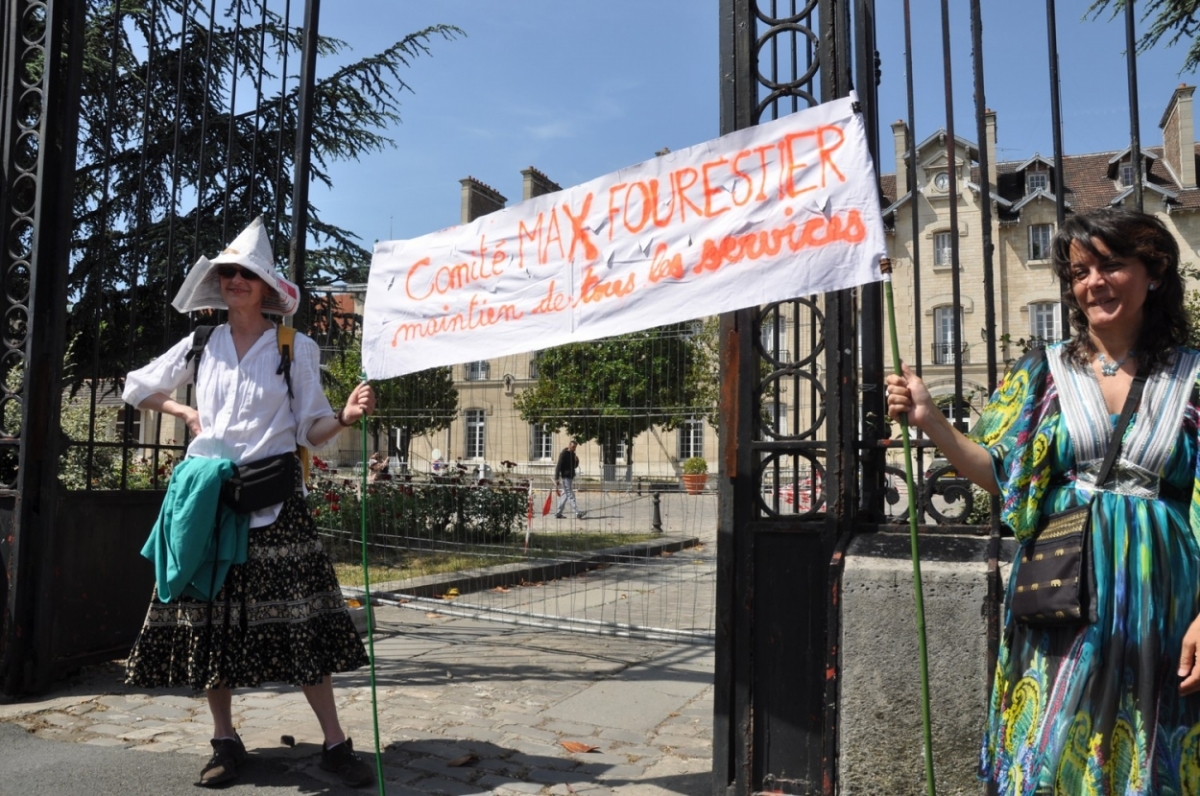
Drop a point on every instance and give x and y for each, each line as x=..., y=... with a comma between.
x=447, y=688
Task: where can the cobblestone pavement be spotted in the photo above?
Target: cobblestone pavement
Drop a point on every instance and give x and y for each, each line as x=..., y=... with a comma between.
x=503, y=697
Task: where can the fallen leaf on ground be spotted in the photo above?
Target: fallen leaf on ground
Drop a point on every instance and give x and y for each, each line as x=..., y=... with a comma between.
x=465, y=760
x=575, y=747
x=353, y=603
x=501, y=589
x=432, y=615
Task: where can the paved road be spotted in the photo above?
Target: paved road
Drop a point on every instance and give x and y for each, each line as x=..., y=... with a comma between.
x=447, y=687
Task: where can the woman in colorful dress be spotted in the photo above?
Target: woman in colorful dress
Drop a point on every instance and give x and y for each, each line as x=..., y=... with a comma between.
x=1110, y=707
x=280, y=616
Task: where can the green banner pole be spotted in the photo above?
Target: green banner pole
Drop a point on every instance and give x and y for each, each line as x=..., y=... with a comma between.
x=370, y=609
x=885, y=265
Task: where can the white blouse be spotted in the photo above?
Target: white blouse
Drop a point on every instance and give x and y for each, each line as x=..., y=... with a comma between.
x=245, y=413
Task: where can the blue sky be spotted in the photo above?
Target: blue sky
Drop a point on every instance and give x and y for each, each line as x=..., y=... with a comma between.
x=579, y=89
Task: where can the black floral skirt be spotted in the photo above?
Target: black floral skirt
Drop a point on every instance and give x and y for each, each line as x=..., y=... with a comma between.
x=280, y=617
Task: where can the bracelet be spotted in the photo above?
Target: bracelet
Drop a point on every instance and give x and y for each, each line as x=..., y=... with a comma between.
x=341, y=420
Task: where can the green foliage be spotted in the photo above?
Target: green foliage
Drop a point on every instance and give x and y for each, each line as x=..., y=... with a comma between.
x=101, y=466
x=142, y=149
x=1173, y=18
x=614, y=389
x=981, y=507
x=422, y=402
x=695, y=466
x=442, y=510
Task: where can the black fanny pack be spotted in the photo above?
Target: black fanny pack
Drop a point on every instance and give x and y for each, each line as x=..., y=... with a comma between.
x=259, y=484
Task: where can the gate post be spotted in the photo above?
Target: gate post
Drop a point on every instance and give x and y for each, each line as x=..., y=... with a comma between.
x=38, y=132
x=774, y=723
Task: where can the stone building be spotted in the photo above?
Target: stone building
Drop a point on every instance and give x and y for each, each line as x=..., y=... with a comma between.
x=1026, y=293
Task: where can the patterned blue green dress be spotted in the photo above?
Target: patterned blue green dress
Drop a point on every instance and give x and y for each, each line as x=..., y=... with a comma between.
x=1096, y=711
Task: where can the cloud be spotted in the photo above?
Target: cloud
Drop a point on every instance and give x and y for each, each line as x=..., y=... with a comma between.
x=561, y=128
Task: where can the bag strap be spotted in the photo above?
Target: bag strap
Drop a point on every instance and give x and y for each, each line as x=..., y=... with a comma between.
x=200, y=337
x=285, y=341
x=1114, y=444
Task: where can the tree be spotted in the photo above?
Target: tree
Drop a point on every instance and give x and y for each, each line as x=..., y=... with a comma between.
x=187, y=133
x=420, y=403
x=1174, y=17
x=613, y=390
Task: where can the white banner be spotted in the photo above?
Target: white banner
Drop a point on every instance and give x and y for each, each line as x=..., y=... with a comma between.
x=777, y=211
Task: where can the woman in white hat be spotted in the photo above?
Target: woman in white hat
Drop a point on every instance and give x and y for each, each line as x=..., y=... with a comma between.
x=282, y=617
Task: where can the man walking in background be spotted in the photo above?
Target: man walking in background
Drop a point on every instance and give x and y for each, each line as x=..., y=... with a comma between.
x=564, y=477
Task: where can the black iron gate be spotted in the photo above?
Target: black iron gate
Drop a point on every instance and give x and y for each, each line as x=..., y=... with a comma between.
x=182, y=144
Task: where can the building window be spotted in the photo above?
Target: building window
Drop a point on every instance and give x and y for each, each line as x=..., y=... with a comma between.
x=1037, y=181
x=477, y=371
x=1126, y=174
x=622, y=452
x=945, y=351
x=476, y=433
x=943, y=254
x=776, y=418
x=1039, y=241
x=774, y=338
x=541, y=442
x=691, y=439
x=1045, y=323
x=956, y=410
x=533, y=364
x=135, y=424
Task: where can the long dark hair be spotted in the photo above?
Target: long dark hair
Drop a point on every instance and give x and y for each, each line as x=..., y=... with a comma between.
x=1127, y=233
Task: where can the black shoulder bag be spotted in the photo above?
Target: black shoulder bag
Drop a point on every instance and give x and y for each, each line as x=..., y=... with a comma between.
x=258, y=484
x=1056, y=578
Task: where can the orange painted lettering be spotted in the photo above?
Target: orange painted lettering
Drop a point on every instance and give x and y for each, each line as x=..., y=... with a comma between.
x=579, y=233
x=613, y=209
x=596, y=290
x=661, y=222
x=636, y=228
x=741, y=175
x=663, y=267
x=553, y=234
x=524, y=233
x=551, y=302
x=709, y=190
x=826, y=149
x=681, y=180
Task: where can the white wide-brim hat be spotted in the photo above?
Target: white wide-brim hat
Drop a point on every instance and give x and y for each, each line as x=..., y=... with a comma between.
x=251, y=249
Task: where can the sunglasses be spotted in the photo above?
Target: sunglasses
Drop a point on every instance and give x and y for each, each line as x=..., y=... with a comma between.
x=230, y=271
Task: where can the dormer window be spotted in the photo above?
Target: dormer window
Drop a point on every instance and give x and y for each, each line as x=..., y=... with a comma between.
x=1037, y=181
x=1126, y=174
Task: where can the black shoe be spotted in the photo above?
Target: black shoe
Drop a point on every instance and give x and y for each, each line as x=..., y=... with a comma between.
x=558, y=516
x=579, y=516
x=345, y=762
x=222, y=767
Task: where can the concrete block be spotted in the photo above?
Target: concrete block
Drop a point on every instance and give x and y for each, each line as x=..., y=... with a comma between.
x=880, y=735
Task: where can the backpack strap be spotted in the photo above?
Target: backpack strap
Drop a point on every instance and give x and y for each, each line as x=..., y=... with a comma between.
x=285, y=339
x=200, y=339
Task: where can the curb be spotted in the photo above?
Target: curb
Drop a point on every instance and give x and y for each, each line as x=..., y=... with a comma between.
x=482, y=578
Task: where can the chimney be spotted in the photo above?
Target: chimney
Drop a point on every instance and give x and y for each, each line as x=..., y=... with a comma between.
x=989, y=131
x=479, y=199
x=536, y=184
x=1179, y=136
x=900, y=136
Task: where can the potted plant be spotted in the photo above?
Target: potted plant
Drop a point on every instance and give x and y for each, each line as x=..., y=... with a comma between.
x=695, y=475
